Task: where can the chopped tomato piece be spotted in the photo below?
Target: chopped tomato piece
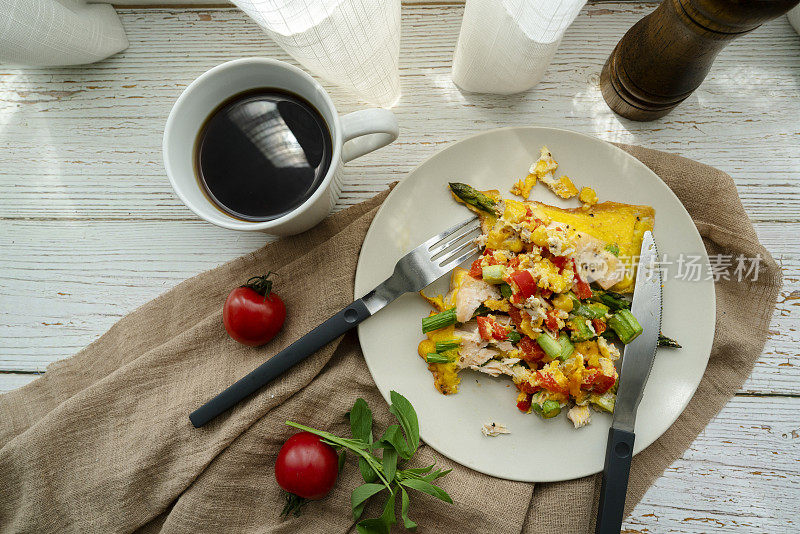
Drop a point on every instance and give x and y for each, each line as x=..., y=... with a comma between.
x=513, y=263
x=515, y=314
x=485, y=327
x=525, y=405
x=527, y=387
x=546, y=293
x=476, y=271
x=499, y=332
x=551, y=321
x=525, y=282
x=517, y=298
x=597, y=382
x=582, y=289
x=549, y=383
x=489, y=329
x=599, y=326
x=560, y=262
x=531, y=351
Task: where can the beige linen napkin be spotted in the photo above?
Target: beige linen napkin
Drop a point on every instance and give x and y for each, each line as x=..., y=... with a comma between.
x=102, y=442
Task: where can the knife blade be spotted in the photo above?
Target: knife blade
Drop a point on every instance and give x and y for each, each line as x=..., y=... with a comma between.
x=637, y=360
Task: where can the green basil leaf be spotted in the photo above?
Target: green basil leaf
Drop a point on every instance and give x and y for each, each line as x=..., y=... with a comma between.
x=388, y=516
x=367, y=472
x=405, y=503
x=419, y=470
x=393, y=437
x=407, y=417
x=360, y=496
x=426, y=487
x=382, y=524
x=361, y=421
x=430, y=477
x=389, y=463
x=373, y=526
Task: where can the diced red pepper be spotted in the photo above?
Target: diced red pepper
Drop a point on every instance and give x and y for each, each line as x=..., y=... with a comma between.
x=489, y=329
x=597, y=382
x=525, y=405
x=560, y=262
x=517, y=298
x=476, y=271
x=531, y=351
x=525, y=282
x=599, y=326
x=500, y=332
x=549, y=383
x=515, y=314
x=485, y=327
x=527, y=387
x=582, y=289
x=551, y=321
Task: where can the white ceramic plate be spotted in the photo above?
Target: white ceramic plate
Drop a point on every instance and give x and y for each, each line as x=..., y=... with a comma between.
x=537, y=450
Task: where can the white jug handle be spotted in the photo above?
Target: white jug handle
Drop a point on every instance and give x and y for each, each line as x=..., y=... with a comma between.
x=366, y=130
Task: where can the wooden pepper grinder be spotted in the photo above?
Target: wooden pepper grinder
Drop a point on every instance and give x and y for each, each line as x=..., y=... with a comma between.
x=665, y=56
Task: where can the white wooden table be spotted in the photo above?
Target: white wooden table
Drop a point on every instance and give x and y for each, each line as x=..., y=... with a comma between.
x=90, y=228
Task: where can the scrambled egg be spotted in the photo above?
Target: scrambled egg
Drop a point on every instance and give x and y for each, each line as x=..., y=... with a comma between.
x=525, y=308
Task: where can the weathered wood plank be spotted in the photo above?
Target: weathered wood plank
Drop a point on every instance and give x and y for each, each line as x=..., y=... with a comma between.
x=739, y=475
x=9, y=381
x=93, y=121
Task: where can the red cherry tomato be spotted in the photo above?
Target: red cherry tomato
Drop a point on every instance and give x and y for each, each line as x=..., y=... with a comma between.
x=306, y=467
x=252, y=313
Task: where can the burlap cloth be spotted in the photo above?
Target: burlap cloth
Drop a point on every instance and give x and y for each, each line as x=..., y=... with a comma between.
x=102, y=441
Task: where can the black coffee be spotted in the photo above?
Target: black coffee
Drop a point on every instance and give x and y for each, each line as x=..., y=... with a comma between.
x=261, y=153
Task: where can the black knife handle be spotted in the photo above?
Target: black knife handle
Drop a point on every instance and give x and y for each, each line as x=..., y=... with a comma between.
x=298, y=351
x=619, y=452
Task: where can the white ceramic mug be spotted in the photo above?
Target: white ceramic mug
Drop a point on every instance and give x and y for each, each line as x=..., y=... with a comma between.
x=352, y=135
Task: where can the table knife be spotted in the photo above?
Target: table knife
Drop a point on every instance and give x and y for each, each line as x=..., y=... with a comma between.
x=637, y=360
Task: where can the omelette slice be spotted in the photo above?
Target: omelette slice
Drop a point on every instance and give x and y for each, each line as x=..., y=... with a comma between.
x=616, y=225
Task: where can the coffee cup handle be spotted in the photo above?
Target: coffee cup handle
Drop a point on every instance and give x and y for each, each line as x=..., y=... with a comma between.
x=366, y=130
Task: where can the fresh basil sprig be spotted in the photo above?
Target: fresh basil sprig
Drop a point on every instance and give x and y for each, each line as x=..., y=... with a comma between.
x=381, y=473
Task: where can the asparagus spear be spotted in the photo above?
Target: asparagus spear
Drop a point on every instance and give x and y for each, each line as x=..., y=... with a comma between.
x=615, y=301
x=473, y=197
x=664, y=341
x=440, y=320
x=625, y=325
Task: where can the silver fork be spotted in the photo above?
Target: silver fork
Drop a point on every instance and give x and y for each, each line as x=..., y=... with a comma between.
x=419, y=268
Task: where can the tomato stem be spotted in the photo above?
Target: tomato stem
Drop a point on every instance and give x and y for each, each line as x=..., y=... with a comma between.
x=260, y=284
x=294, y=505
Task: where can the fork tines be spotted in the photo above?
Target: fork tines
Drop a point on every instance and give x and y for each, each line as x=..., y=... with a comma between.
x=454, y=245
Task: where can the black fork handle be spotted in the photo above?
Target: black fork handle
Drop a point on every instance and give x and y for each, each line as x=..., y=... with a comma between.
x=298, y=351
